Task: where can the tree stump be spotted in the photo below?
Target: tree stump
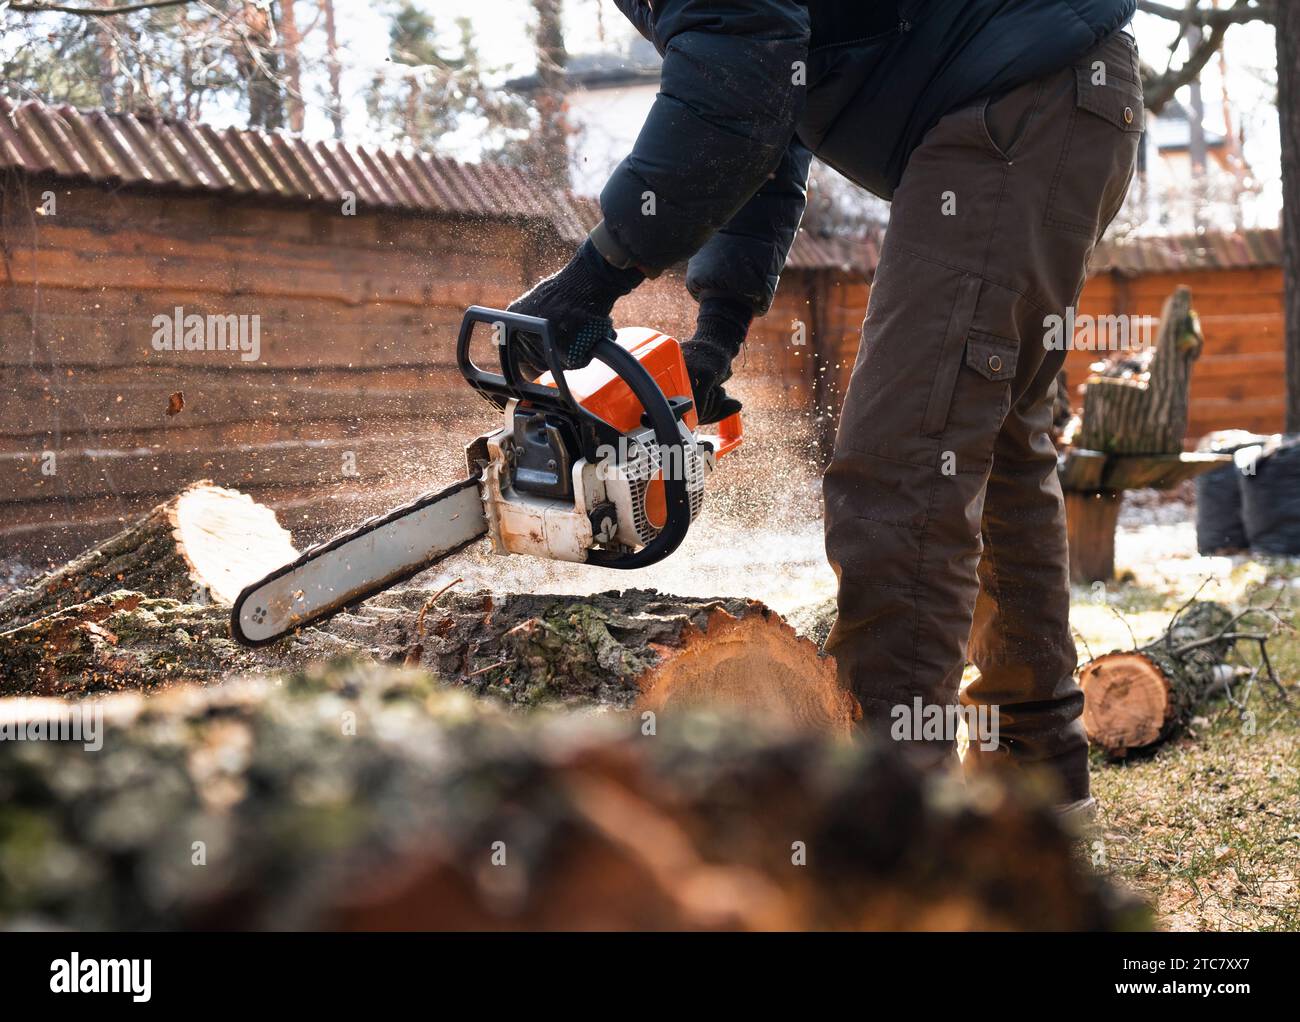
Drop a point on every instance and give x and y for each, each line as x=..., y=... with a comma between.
x=201, y=546
x=1136, y=699
x=1138, y=404
x=1090, y=520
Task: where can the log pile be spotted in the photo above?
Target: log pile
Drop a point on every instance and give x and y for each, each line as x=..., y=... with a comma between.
x=365, y=797
x=83, y=628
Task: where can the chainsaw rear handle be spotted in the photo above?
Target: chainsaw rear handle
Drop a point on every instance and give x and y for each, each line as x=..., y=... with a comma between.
x=509, y=384
x=501, y=388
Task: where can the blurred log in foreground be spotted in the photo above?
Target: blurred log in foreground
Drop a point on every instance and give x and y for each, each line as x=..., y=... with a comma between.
x=359, y=797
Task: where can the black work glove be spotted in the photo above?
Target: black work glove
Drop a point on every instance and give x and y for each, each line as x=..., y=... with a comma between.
x=719, y=332
x=577, y=301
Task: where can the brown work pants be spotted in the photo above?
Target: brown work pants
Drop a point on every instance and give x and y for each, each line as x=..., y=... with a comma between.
x=944, y=517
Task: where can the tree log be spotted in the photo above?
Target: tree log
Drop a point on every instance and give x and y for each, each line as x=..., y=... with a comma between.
x=362, y=797
x=126, y=640
x=1136, y=699
x=632, y=649
x=145, y=610
x=637, y=649
x=201, y=546
x=1138, y=403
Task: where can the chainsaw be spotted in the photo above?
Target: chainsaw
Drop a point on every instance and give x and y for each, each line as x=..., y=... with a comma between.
x=597, y=465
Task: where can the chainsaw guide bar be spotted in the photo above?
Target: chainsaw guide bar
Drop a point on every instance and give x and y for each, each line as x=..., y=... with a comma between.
x=355, y=565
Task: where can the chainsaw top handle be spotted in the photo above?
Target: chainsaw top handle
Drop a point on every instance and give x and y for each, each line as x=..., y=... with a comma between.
x=501, y=388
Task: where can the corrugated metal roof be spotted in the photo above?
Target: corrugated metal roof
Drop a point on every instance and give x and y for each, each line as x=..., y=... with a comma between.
x=133, y=151
x=1188, y=252
x=851, y=255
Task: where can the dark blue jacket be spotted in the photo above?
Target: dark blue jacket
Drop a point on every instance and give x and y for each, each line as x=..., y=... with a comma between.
x=750, y=89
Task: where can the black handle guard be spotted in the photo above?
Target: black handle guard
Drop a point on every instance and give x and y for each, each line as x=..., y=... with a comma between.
x=501, y=388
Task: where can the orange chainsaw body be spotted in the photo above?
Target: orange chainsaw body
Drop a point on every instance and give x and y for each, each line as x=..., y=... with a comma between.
x=600, y=391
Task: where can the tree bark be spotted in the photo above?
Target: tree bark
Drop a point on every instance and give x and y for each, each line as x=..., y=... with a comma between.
x=259, y=64
x=334, y=66
x=355, y=797
x=291, y=40
x=635, y=649
x=1136, y=699
x=1288, y=109
x=553, y=128
x=1145, y=410
x=106, y=56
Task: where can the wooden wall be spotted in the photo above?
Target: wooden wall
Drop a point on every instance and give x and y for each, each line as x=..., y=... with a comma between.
x=355, y=403
x=1239, y=382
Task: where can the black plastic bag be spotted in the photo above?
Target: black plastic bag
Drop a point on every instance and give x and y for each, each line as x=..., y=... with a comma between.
x=1219, y=525
x=1270, y=498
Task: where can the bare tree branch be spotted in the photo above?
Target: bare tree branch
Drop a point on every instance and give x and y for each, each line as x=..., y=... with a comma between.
x=95, y=12
x=1209, y=17
x=1159, y=87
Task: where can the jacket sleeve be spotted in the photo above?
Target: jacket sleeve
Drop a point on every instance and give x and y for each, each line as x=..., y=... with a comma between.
x=744, y=259
x=719, y=129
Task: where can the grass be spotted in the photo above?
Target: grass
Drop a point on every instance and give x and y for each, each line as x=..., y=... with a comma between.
x=1208, y=827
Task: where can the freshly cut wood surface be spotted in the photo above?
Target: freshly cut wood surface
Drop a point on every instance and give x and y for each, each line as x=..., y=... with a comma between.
x=201, y=546
x=755, y=662
x=1126, y=703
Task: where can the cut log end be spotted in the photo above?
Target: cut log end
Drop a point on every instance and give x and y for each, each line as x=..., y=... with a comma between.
x=1127, y=702
x=227, y=539
x=756, y=662
x=201, y=546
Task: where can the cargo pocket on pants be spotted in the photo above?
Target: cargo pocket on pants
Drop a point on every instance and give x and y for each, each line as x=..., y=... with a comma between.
x=971, y=393
x=1099, y=155
x=981, y=400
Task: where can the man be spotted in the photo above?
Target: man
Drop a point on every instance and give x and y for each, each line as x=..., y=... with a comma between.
x=1005, y=133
